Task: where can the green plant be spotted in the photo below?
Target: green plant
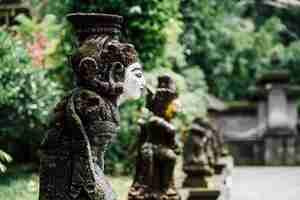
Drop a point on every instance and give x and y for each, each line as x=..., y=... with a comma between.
x=4, y=158
x=42, y=39
x=232, y=47
x=145, y=22
x=27, y=95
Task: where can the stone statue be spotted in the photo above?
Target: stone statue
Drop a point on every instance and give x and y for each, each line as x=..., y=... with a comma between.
x=199, y=154
x=86, y=120
x=157, y=148
x=219, y=149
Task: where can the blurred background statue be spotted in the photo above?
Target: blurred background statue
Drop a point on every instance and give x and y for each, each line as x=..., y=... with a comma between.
x=199, y=155
x=86, y=120
x=158, y=147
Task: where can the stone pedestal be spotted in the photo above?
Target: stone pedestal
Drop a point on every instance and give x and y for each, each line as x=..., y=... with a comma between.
x=219, y=168
x=203, y=194
x=290, y=152
x=273, y=151
x=297, y=150
x=223, y=181
x=198, y=177
x=224, y=163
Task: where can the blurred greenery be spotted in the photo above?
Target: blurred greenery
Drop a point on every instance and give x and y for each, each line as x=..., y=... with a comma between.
x=26, y=96
x=19, y=183
x=145, y=22
x=233, y=44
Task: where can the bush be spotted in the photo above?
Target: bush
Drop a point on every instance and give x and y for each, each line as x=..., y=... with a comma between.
x=145, y=22
x=232, y=47
x=26, y=96
x=47, y=44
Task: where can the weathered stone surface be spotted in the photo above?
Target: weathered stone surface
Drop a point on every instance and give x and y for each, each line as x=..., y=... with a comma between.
x=86, y=120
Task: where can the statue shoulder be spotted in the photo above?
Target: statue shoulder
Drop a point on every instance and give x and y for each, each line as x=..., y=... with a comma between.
x=87, y=101
x=158, y=121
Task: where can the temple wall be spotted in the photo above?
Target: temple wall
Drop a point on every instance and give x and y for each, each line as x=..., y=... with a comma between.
x=239, y=123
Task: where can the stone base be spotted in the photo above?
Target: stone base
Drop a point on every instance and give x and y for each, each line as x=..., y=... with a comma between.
x=203, y=194
x=173, y=197
x=198, y=176
x=219, y=168
x=227, y=162
x=197, y=181
x=142, y=192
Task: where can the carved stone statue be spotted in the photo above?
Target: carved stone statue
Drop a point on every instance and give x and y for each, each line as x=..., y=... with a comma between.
x=86, y=120
x=157, y=147
x=219, y=149
x=199, y=155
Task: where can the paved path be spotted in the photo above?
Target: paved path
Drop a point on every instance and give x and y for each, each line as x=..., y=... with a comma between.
x=266, y=183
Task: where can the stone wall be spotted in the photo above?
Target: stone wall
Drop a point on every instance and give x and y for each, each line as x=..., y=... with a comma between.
x=242, y=125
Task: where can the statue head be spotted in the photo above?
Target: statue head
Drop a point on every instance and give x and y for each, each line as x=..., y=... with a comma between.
x=201, y=127
x=102, y=62
x=165, y=103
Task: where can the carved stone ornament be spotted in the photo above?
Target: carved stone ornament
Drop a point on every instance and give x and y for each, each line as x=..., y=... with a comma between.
x=157, y=147
x=86, y=120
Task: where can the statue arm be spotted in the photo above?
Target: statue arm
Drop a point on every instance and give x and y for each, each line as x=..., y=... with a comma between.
x=141, y=137
x=170, y=132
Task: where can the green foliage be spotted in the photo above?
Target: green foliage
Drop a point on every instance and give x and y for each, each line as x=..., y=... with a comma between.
x=19, y=183
x=233, y=49
x=145, y=22
x=4, y=158
x=43, y=39
x=26, y=94
x=119, y=158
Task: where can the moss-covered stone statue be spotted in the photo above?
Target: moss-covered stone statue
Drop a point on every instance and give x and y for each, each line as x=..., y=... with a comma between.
x=199, y=155
x=158, y=147
x=86, y=120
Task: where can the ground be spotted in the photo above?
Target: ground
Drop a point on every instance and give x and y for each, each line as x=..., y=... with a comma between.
x=21, y=183
x=266, y=183
x=249, y=183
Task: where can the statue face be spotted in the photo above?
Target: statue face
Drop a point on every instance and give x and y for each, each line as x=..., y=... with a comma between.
x=173, y=108
x=134, y=83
